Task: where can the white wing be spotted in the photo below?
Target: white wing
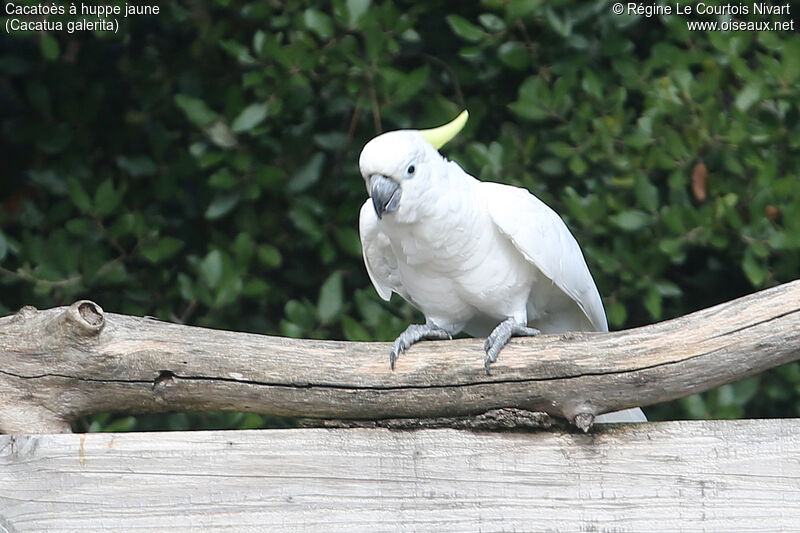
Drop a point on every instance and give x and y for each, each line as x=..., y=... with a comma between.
x=545, y=241
x=378, y=255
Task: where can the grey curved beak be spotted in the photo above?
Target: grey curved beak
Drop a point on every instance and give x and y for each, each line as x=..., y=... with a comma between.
x=385, y=193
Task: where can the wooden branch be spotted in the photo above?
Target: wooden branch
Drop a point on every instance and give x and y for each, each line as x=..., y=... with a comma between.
x=62, y=363
x=711, y=475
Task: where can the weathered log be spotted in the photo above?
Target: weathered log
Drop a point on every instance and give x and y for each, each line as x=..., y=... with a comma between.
x=66, y=362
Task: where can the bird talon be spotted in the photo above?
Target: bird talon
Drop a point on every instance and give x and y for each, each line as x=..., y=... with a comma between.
x=413, y=334
x=394, y=354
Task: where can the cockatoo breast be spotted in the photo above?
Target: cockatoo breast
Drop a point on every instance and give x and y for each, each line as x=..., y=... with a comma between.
x=454, y=265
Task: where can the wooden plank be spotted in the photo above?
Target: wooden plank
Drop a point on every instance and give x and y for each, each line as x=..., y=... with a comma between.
x=671, y=476
x=66, y=362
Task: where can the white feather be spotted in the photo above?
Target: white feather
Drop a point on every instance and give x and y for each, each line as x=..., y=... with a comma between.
x=541, y=236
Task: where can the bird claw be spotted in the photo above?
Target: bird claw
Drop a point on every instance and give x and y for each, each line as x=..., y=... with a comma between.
x=500, y=336
x=413, y=334
x=397, y=349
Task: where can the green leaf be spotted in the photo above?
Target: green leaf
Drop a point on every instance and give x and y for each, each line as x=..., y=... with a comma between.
x=333, y=141
x=745, y=390
x=631, y=220
x=330, y=298
x=551, y=166
x=229, y=290
x=560, y=148
x=256, y=288
x=300, y=313
x=160, y=249
x=514, y=55
x=652, y=302
x=114, y=272
x=464, y=28
x=106, y=198
x=591, y=84
x=749, y=95
x=412, y=84
x=243, y=248
x=667, y=289
x=646, y=194
x=259, y=39
x=562, y=26
x=307, y=175
x=49, y=180
x=211, y=269
x=3, y=246
x=220, y=134
x=319, y=23
x=578, y=165
x=695, y=406
x=79, y=196
x=291, y=330
x=270, y=256
x=529, y=110
x=522, y=8
x=790, y=62
x=754, y=269
x=125, y=423
x=223, y=179
x=49, y=47
x=348, y=240
x=616, y=313
x=491, y=22
x=186, y=287
x=374, y=41
x=250, y=117
x=304, y=220
x=270, y=177
x=195, y=110
x=138, y=165
x=222, y=204
x=353, y=330
x=356, y=9
x=238, y=51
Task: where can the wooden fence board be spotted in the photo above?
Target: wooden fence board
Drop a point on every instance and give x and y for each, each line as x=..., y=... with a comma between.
x=670, y=476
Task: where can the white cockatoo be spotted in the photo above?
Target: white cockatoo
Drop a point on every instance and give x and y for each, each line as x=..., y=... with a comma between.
x=484, y=258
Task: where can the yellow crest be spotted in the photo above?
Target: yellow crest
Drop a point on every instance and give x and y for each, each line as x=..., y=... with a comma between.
x=442, y=135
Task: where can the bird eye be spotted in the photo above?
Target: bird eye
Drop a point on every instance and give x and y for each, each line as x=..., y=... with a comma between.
x=410, y=170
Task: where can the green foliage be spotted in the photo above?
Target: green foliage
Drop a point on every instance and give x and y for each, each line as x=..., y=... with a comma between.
x=200, y=166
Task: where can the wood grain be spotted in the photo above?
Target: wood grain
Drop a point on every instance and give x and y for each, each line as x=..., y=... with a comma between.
x=62, y=363
x=665, y=477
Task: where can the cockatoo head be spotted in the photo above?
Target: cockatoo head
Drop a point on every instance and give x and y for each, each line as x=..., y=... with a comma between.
x=400, y=167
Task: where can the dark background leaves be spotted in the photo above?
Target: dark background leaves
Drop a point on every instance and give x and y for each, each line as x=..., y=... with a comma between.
x=201, y=165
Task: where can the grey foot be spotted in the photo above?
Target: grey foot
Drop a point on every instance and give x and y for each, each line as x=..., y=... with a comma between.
x=500, y=336
x=415, y=333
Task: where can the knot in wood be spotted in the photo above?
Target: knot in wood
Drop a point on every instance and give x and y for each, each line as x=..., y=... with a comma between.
x=165, y=379
x=584, y=421
x=90, y=313
x=25, y=313
x=85, y=317
x=571, y=336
